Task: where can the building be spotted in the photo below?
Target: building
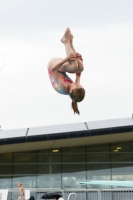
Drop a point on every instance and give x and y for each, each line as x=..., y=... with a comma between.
x=60, y=156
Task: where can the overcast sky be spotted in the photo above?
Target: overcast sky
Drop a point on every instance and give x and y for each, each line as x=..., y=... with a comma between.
x=30, y=33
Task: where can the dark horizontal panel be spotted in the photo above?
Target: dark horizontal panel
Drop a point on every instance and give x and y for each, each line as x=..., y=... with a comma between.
x=66, y=135
x=37, y=138
x=73, y=134
x=97, y=132
x=15, y=140
x=58, y=136
x=2, y=141
x=84, y=133
x=122, y=129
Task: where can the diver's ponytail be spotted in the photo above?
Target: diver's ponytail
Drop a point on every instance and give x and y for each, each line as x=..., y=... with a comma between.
x=75, y=107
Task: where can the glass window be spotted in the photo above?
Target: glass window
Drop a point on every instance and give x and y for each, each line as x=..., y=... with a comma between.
x=71, y=168
x=122, y=168
x=72, y=180
x=24, y=169
x=49, y=157
x=5, y=169
x=27, y=181
x=43, y=181
x=98, y=168
x=122, y=177
x=25, y=157
x=73, y=157
x=49, y=169
x=6, y=158
x=122, y=146
x=49, y=181
x=5, y=182
x=98, y=157
x=97, y=177
x=76, y=149
x=74, y=160
x=98, y=148
x=121, y=157
x=66, y=167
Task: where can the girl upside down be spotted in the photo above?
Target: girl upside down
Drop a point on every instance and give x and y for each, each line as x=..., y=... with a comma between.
x=73, y=63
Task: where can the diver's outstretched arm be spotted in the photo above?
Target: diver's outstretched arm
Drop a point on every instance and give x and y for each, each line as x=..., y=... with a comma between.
x=78, y=76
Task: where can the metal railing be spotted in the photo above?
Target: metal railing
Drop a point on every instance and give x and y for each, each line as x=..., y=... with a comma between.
x=117, y=194
x=82, y=194
x=35, y=192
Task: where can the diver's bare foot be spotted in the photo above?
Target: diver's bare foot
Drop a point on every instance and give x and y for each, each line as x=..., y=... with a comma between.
x=66, y=36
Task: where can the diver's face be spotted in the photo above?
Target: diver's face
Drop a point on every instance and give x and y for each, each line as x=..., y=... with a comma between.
x=74, y=86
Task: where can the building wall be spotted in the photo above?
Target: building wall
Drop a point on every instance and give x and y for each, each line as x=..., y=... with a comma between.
x=67, y=167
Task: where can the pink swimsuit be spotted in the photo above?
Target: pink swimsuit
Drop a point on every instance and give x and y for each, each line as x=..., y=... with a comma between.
x=64, y=77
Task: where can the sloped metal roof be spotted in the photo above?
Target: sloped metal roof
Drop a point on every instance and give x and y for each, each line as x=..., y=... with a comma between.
x=109, y=123
x=64, y=131
x=13, y=133
x=57, y=129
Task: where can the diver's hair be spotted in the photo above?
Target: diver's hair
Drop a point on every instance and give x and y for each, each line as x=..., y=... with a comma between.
x=75, y=107
x=77, y=95
x=20, y=183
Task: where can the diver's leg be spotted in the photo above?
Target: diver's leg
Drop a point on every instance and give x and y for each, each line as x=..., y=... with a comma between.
x=71, y=44
x=66, y=40
x=71, y=66
x=79, y=60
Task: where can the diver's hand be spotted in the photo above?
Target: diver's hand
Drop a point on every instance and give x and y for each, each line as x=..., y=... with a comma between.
x=78, y=74
x=79, y=56
x=71, y=56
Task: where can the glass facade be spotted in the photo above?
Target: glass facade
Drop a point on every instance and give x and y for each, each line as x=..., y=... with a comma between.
x=66, y=167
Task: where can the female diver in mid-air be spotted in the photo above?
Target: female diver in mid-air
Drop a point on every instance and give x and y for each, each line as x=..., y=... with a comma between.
x=73, y=63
